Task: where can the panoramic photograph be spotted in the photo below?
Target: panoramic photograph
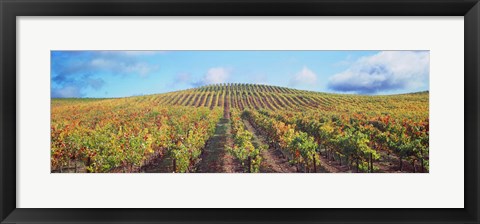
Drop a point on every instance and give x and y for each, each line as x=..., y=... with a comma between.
x=232, y=111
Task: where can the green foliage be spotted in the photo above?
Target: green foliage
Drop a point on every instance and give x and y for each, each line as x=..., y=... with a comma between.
x=243, y=148
x=121, y=135
x=108, y=136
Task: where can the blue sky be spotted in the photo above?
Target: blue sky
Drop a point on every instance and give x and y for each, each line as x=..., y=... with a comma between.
x=129, y=73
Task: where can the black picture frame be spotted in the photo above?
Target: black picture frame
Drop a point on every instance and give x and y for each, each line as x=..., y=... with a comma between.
x=10, y=9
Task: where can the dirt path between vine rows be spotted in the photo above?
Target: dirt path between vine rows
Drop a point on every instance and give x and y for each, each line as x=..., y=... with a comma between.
x=160, y=164
x=215, y=157
x=332, y=166
x=273, y=159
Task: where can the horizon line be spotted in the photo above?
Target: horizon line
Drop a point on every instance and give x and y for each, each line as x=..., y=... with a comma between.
x=227, y=84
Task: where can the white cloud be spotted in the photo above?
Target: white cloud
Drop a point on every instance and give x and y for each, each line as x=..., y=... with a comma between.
x=304, y=77
x=66, y=92
x=123, y=67
x=216, y=75
x=142, y=69
x=143, y=53
x=182, y=77
x=75, y=71
x=384, y=71
x=102, y=63
x=260, y=79
x=132, y=53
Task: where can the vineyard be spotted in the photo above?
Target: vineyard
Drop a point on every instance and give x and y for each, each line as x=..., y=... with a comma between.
x=242, y=128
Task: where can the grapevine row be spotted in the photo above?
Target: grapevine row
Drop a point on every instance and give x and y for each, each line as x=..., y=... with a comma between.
x=243, y=148
x=124, y=135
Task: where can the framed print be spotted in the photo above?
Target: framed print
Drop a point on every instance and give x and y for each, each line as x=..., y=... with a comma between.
x=245, y=112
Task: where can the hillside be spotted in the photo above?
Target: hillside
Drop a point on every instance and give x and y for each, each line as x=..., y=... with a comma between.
x=251, y=96
x=242, y=128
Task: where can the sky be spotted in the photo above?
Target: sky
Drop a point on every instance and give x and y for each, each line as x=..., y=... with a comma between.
x=106, y=74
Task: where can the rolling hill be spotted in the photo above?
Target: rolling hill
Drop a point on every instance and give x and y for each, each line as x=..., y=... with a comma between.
x=251, y=96
x=242, y=128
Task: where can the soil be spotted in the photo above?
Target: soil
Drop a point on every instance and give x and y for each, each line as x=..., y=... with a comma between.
x=274, y=161
x=215, y=157
x=161, y=163
x=329, y=166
